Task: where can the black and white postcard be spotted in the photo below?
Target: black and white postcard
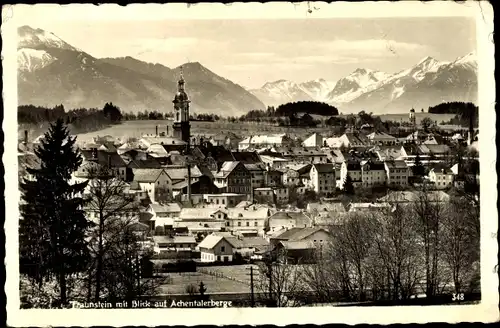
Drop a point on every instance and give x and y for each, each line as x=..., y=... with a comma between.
x=251, y=163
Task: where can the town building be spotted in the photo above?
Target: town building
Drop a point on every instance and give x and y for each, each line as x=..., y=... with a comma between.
x=249, y=221
x=203, y=220
x=216, y=248
x=264, y=141
x=287, y=220
x=323, y=178
x=155, y=182
x=381, y=138
x=373, y=173
x=441, y=176
x=315, y=140
x=95, y=160
x=258, y=174
x=233, y=177
x=224, y=200
x=351, y=167
x=298, y=245
x=397, y=173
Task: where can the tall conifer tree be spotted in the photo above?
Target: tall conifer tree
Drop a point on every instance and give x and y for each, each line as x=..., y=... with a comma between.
x=53, y=225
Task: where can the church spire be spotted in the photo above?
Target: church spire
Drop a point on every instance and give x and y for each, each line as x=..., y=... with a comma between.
x=180, y=83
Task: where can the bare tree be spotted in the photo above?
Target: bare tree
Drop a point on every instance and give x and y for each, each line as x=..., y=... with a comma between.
x=114, y=209
x=396, y=248
x=355, y=237
x=280, y=284
x=328, y=277
x=429, y=212
x=460, y=242
x=124, y=274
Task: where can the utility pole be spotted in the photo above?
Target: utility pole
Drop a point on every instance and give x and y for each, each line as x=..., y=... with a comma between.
x=252, y=293
x=251, y=287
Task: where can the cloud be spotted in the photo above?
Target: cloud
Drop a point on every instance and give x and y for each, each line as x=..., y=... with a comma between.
x=177, y=44
x=256, y=55
x=365, y=48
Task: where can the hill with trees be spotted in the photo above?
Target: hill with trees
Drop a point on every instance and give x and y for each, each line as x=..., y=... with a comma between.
x=79, y=120
x=307, y=107
x=465, y=112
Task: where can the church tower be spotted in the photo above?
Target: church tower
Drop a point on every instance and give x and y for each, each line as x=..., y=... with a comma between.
x=181, y=112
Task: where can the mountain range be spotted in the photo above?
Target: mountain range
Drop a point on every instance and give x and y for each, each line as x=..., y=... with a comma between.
x=427, y=83
x=52, y=72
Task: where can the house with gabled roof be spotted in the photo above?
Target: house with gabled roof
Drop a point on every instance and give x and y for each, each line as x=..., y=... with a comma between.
x=247, y=157
x=315, y=140
x=155, y=182
x=287, y=220
x=303, y=155
x=397, y=173
x=351, y=167
x=216, y=248
x=372, y=173
x=233, y=177
x=179, y=173
x=260, y=141
x=167, y=210
x=354, y=140
x=94, y=159
x=441, y=176
x=203, y=220
x=297, y=245
x=248, y=221
x=323, y=179
x=247, y=246
x=381, y=138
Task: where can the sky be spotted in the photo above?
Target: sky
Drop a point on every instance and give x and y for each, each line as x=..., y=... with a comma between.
x=258, y=47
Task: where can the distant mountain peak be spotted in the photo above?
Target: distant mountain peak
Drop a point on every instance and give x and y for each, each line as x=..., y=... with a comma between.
x=427, y=59
x=29, y=37
x=360, y=71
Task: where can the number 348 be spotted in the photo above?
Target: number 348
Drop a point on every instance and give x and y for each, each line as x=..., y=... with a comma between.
x=458, y=297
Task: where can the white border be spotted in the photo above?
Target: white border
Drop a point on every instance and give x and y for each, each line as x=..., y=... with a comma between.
x=487, y=311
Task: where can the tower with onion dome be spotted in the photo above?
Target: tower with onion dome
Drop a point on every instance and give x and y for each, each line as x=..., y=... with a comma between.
x=181, y=126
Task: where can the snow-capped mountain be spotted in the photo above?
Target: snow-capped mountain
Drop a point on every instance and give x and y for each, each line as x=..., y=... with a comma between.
x=280, y=92
x=283, y=91
x=427, y=83
x=317, y=89
x=52, y=72
x=355, y=84
x=32, y=59
x=29, y=37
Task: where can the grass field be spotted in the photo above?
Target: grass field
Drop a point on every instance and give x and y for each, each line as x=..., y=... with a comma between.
x=212, y=283
x=138, y=128
x=237, y=272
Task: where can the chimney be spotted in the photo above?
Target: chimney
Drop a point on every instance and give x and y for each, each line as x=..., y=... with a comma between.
x=25, y=137
x=189, y=183
x=157, y=130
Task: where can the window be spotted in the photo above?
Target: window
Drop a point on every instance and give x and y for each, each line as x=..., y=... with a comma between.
x=227, y=224
x=223, y=249
x=255, y=223
x=217, y=201
x=248, y=224
x=218, y=258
